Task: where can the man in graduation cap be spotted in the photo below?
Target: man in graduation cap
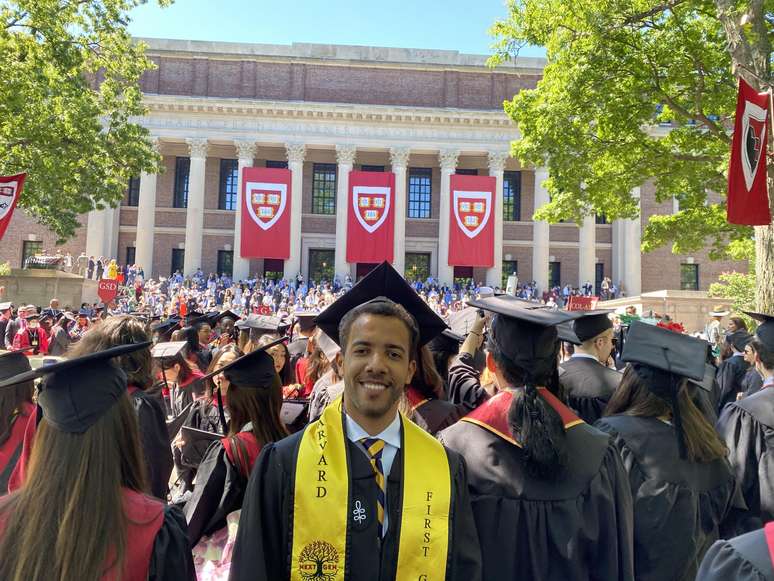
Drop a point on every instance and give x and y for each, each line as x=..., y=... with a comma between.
x=550, y=495
x=732, y=371
x=362, y=493
x=747, y=427
x=587, y=380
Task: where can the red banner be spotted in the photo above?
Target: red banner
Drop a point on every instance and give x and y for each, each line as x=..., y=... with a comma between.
x=107, y=289
x=575, y=303
x=471, y=223
x=748, y=198
x=370, y=217
x=10, y=190
x=265, y=213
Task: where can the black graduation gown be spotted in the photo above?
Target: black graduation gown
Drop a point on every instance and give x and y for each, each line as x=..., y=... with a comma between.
x=264, y=539
x=218, y=491
x=203, y=415
x=154, y=439
x=678, y=504
x=730, y=376
x=752, y=382
x=747, y=428
x=464, y=387
x=171, y=559
x=576, y=528
x=744, y=558
x=433, y=415
x=588, y=386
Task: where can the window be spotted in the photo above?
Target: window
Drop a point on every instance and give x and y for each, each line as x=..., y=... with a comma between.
x=554, y=274
x=225, y=262
x=321, y=265
x=229, y=182
x=599, y=275
x=276, y=164
x=130, y=255
x=419, y=192
x=467, y=172
x=133, y=192
x=512, y=196
x=689, y=277
x=324, y=189
x=178, y=259
x=510, y=267
x=374, y=168
x=417, y=266
x=30, y=248
x=600, y=219
x=182, y=171
x=273, y=269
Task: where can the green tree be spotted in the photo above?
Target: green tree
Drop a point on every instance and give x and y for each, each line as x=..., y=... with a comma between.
x=616, y=71
x=69, y=93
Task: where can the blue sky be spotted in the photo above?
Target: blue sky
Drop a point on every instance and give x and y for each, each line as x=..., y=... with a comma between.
x=451, y=24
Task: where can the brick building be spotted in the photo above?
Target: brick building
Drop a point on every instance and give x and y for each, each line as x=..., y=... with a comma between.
x=322, y=111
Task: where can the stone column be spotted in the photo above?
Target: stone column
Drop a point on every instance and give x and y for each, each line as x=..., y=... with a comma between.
x=587, y=251
x=494, y=275
x=95, y=233
x=448, y=159
x=296, y=153
x=540, y=234
x=345, y=157
x=399, y=157
x=619, y=249
x=245, y=155
x=194, y=220
x=632, y=263
x=146, y=221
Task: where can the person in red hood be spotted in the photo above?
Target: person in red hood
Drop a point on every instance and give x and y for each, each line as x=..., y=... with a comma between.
x=32, y=338
x=16, y=407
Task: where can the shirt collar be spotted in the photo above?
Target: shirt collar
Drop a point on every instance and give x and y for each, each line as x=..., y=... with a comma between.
x=583, y=356
x=390, y=435
x=768, y=381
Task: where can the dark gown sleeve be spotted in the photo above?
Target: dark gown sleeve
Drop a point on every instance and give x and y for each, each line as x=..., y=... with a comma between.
x=155, y=444
x=589, y=409
x=465, y=383
x=745, y=441
x=219, y=489
x=466, y=550
x=261, y=549
x=724, y=561
x=171, y=558
x=728, y=384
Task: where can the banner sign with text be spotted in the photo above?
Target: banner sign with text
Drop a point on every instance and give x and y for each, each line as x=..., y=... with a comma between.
x=471, y=224
x=10, y=190
x=265, y=213
x=748, y=198
x=370, y=217
x=107, y=289
x=576, y=303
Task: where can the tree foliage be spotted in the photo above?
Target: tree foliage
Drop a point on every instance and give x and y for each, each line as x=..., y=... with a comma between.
x=69, y=91
x=633, y=91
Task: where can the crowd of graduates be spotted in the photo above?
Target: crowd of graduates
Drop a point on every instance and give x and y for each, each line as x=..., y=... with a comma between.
x=374, y=439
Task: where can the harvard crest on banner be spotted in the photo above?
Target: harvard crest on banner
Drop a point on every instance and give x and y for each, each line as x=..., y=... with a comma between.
x=471, y=224
x=265, y=213
x=10, y=190
x=370, y=218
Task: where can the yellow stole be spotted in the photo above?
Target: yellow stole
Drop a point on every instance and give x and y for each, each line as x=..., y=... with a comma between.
x=321, y=503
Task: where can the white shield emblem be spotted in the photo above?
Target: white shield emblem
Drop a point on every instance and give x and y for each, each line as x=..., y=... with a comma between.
x=472, y=211
x=371, y=205
x=753, y=131
x=8, y=193
x=266, y=202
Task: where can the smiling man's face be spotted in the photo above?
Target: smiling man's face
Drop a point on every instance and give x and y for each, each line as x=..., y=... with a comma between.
x=377, y=366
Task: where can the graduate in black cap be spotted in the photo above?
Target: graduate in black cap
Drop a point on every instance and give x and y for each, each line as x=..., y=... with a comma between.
x=148, y=402
x=587, y=380
x=550, y=495
x=16, y=408
x=680, y=480
x=82, y=512
x=732, y=371
x=749, y=557
x=251, y=389
x=362, y=493
x=746, y=426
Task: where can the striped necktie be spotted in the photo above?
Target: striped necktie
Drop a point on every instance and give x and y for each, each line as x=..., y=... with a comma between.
x=375, y=447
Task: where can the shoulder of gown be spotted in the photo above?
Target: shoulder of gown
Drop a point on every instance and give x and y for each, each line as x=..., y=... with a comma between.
x=171, y=558
x=743, y=558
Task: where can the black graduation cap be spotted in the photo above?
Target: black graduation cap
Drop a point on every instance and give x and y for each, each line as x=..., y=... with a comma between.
x=192, y=316
x=447, y=342
x=306, y=319
x=214, y=317
x=526, y=332
x=382, y=282
x=77, y=392
x=265, y=323
x=13, y=363
x=765, y=331
x=589, y=325
x=251, y=370
x=166, y=327
x=739, y=339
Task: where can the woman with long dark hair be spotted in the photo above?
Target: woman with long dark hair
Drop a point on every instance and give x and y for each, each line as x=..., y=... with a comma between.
x=16, y=408
x=549, y=493
x=681, y=482
x=181, y=379
x=254, y=394
x=82, y=512
x=427, y=405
